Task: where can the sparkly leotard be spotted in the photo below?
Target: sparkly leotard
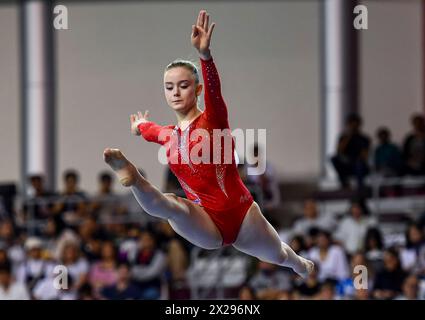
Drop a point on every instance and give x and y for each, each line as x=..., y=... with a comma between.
x=213, y=184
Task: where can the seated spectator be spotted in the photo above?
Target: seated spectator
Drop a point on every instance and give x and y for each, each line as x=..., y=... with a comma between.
x=297, y=244
x=85, y=292
x=10, y=238
x=374, y=248
x=387, y=158
x=327, y=290
x=388, y=282
x=269, y=280
x=414, y=148
x=104, y=272
x=362, y=294
x=76, y=264
x=91, y=234
x=352, y=229
x=9, y=288
x=308, y=288
x=312, y=219
x=329, y=257
x=35, y=268
x=124, y=288
x=410, y=289
x=410, y=254
x=106, y=204
x=39, y=204
x=361, y=275
x=46, y=289
x=247, y=293
x=49, y=234
x=352, y=154
x=177, y=250
x=148, y=267
x=266, y=179
x=72, y=203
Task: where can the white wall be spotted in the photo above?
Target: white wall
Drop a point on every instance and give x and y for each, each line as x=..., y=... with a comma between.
x=110, y=64
x=391, y=68
x=9, y=94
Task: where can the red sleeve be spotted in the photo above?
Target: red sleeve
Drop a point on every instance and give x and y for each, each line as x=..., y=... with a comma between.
x=215, y=107
x=153, y=132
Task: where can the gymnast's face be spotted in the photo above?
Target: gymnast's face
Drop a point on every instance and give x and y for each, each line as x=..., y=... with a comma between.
x=180, y=89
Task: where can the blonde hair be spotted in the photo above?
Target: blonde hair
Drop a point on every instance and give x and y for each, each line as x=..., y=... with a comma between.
x=189, y=65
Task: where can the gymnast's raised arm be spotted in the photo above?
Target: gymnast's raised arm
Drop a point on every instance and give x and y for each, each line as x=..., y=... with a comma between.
x=215, y=107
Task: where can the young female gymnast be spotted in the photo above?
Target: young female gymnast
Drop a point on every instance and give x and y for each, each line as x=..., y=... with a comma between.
x=219, y=209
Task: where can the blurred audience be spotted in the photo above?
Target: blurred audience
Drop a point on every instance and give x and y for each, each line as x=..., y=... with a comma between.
x=414, y=147
x=352, y=154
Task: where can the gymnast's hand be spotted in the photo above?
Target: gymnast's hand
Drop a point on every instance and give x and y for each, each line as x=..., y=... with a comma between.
x=136, y=119
x=201, y=35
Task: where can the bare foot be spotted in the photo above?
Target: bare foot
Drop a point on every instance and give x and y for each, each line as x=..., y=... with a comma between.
x=124, y=169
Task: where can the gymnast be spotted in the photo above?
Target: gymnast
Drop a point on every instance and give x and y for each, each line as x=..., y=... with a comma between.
x=218, y=209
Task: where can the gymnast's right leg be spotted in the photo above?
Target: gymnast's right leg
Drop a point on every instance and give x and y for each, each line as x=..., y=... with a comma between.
x=187, y=219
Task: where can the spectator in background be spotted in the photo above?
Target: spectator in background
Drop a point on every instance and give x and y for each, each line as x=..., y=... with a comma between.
x=359, y=267
x=312, y=219
x=124, y=288
x=76, y=264
x=352, y=154
x=297, y=244
x=91, y=234
x=387, y=158
x=9, y=288
x=134, y=210
x=388, y=282
x=374, y=248
x=270, y=280
x=35, y=268
x=46, y=290
x=410, y=254
x=308, y=288
x=414, y=147
x=106, y=204
x=72, y=203
x=104, y=272
x=410, y=289
x=177, y=250
x=329, y=257
x=11, y=240
x=247, y=293
x=362, y=294
x=327, y=290
x=148, y=266
x=352, y=229
x=267, y=180
x=38, y=205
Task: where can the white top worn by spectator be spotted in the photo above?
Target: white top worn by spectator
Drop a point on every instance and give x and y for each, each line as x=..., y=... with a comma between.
x=16, y=291
x=351, y=232
x=303, y=225
x=313, y=219
x=334, y=265
x=45, y=290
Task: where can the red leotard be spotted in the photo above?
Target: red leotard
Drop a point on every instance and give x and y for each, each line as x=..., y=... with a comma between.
x=216, y=187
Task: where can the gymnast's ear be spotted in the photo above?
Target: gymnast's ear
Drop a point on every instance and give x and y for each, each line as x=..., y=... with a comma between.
x=198, y=89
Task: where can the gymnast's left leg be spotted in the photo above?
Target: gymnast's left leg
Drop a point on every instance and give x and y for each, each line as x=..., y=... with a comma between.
x=258, y=238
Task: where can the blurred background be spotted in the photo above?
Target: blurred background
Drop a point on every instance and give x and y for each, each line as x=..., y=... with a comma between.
x=344, y=112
